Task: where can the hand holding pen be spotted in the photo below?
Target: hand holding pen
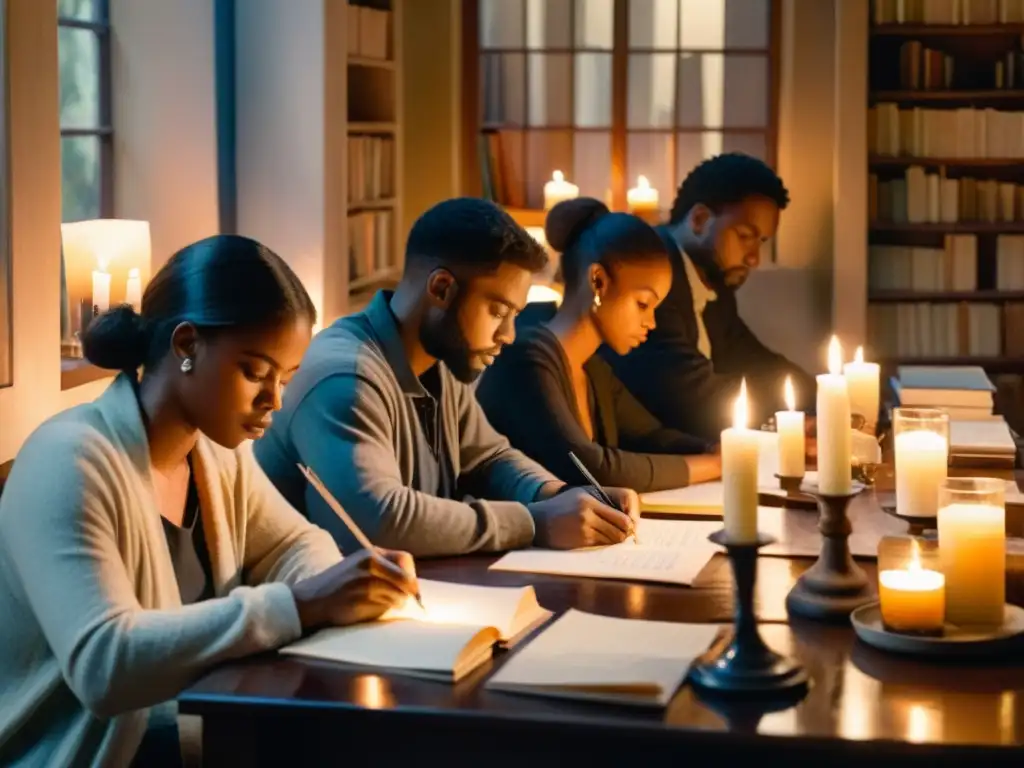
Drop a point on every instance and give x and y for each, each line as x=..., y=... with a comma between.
x=626, y=500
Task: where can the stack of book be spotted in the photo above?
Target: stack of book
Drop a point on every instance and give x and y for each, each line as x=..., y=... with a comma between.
x=977, y=436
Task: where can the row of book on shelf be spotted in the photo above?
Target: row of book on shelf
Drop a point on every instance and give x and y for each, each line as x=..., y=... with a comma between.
x=951, y=268
x=925, y=329
x=947, y=11
x=921, y=197
x=923, y=68
x=371, y=168
x=961, y=133
x=369, y=32
x=371, y=244
x=978, y=436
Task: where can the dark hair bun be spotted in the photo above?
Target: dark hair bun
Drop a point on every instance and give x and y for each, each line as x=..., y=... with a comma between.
x=117, y=340
x=571, y=218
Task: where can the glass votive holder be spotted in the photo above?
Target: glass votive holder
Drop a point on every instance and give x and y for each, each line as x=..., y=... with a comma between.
x=921, y=447
x=911, y=586
x=972, y=548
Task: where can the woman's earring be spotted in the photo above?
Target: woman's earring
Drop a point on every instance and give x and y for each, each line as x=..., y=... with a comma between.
x=597, y=301
x=186, y=365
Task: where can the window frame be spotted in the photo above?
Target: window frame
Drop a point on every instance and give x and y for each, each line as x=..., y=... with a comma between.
x=104, y=132
x=471, y=122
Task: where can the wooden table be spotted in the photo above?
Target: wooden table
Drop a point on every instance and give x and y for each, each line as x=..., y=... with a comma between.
x=863, y=705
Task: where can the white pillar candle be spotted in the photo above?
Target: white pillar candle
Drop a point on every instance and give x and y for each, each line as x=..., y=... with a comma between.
x=833, y=422
x=792, y=444
x=863, y=382
x=972, y=550
x=133, y=290
x=101, y=289
x=557, y=190
x=739, y=475
x=921, y=460
x=642, y=198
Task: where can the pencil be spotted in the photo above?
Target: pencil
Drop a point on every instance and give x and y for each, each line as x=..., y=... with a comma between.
x=332, y=502
x=600, y=491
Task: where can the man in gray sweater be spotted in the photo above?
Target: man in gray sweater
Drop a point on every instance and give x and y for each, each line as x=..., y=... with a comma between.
x=382, y=408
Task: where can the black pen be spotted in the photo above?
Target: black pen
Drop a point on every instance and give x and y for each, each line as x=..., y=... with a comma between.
x=602, y=494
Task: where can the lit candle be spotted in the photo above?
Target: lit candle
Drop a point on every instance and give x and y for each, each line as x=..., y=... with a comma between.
x=833, y=421
x=921, y=456
x=972, y=550
x=790, y=427
x=557, y=190
x=101, y=288
x=862, y=379
x=133, y=290
x=739, y=475
x=912, y=599
x=642, y=198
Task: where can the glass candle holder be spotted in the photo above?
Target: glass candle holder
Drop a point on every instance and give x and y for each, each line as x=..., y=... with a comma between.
x=972, y=548
x=921, y=440
x=911, y=586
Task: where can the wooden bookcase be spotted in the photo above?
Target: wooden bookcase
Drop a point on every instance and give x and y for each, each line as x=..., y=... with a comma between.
x=946, y=191
x=373, y=231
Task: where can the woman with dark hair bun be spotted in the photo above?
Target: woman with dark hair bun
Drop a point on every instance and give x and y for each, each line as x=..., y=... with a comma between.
x=140, y=543
x=550, y=393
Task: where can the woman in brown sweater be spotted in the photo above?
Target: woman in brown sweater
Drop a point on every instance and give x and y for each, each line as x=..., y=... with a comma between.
x=550, y=393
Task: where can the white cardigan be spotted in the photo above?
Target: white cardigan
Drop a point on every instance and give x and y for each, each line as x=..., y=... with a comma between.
x=92, y=630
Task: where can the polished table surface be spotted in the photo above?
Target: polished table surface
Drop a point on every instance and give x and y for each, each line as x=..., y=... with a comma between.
x=862, y=704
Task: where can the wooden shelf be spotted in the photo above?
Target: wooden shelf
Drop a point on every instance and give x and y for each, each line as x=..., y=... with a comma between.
x=881, y=297
x=354, y=127
x=74, y=372
x=360, y=284
x=963, y=162
x=960, y=227
x=362, y=61
x=994, y=94
x=945, y=30
x=382, y=204
x=1002, y=364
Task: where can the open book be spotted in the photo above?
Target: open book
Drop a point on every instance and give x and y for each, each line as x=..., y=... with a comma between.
x=454, y=635
x=589, y=657
x=670, y=552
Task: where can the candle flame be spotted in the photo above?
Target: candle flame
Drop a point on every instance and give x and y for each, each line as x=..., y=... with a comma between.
x=915, y=556
x=858, y=356
x=835, y=357
x=739, y=409
x=790, y=395
x=558, y=176
x=643, y=183
x=134, y=272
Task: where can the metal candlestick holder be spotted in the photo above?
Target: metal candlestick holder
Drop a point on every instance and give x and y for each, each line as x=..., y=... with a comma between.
x=747, y=666
x=835, y=585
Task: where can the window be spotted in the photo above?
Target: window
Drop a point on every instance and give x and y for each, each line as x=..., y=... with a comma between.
x=85, y=116
x=608, y=90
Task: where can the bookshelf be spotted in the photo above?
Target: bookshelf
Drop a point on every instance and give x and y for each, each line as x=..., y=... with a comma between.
x=946, y=188
x=373, y=239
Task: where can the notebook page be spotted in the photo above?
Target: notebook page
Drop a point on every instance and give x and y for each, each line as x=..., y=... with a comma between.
x=390, y=644
x=707, y=497
x=665, y=554
x=583, y=652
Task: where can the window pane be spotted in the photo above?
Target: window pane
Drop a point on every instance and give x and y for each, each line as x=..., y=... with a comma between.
x=717, y=91
x=78, y=9
x=650, y=155
x=592, y=169
x=548, y=23
x=79, y=60
x=594, y=22
x=653, y=23
x=546, y=152
x=718, y=24
x=80, y=177
x=505, y=155
x=593, y=84
x=692, y=148
x=652, y=86
x=503, y=94
x=550, y=92
x=501, y=24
